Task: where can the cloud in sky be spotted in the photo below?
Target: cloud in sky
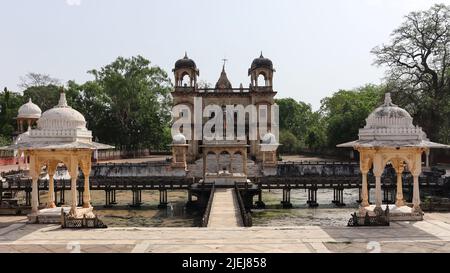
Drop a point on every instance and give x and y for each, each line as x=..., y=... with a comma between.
x=73, y=2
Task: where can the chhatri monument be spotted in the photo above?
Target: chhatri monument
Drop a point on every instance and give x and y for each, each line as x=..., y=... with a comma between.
x=61, y=137
x=390, y=137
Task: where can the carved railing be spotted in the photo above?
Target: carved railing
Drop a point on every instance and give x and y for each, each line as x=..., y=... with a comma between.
x=205, y=218
x=246, y=215
x=71, y=222
x=379, y=219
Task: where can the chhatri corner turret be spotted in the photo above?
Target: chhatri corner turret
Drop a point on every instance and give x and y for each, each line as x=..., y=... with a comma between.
x=391, y=137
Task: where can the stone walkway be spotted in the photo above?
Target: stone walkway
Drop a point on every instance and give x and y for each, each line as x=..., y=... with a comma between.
x=224, y=210
x=430, y=235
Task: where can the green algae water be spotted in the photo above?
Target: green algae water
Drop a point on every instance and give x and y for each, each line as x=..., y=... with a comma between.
x=148, y=215
x=300, y=214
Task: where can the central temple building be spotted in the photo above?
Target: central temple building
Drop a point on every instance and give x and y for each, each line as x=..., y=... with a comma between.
x=227, y=157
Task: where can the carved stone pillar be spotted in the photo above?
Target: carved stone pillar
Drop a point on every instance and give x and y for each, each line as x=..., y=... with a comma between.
x=51, y=169
x=378, y=168
x=364, y=190
x=86, y=169
x=365, y=164
x=73, y=171
x=415, y=171
x=34, y=173
x=399, y=167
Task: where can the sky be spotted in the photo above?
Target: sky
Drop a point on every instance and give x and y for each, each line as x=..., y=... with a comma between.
x=317, y=47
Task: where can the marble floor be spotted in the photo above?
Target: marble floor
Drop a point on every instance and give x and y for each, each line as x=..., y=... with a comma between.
x=430, y=235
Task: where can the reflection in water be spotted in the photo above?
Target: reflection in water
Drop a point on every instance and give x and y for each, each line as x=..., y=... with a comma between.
x=175, y=215
x=301, y=215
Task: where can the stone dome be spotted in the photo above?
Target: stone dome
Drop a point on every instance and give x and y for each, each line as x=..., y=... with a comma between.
x=185, y=63
x=261, y=62
x=179, y=139
x=61, y=117
x=29, y=110
x=389, y=115
x=390, y=122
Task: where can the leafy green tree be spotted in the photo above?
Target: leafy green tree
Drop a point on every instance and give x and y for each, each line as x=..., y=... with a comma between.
x=136, y=99
x=90, y=99
x=289, y=143
x=9, y=105
x=45, y=96
x=345, y=112
x=299, y=119
x=418, y=62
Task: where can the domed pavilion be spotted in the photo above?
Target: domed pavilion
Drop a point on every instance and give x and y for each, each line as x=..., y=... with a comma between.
x=61, y=136
x=390, y=137
x=28, y=114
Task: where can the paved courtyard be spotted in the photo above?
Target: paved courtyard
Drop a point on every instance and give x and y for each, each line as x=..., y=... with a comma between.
x=430, y=235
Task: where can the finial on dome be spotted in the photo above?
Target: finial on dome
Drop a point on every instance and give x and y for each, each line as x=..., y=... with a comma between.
x=261, y=56
x=29, y=100
x=388, y=99
x=185, y=55
x=62, y=98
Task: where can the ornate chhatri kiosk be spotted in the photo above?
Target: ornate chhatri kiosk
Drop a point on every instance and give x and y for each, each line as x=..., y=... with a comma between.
x=390, y=137
x=61, y=137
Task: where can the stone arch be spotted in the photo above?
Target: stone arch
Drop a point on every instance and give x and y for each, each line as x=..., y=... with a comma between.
x=409, y=162
x=262, y=79
x=185, y=79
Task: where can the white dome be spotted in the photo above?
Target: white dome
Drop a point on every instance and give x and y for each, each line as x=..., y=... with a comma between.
x=61, y=117
x=179, y=139
x=269, y=138
x=390, y=122
x=29, y=110
x=389, y=115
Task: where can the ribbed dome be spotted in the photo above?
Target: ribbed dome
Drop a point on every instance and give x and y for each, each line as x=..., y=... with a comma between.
x=261, y=62
x=29, y=110
x=389, y=115
x=178, y=139
x=185, y=63
x=61, y=117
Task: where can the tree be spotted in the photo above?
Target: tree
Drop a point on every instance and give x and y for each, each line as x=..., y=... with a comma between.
x=295, y=116
x=9, y=105
x=345, y=112
x=35, y=79
x=136, y=103
x=418, y=65
x=91, y=100
x=289, y=141
x=44, y=96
